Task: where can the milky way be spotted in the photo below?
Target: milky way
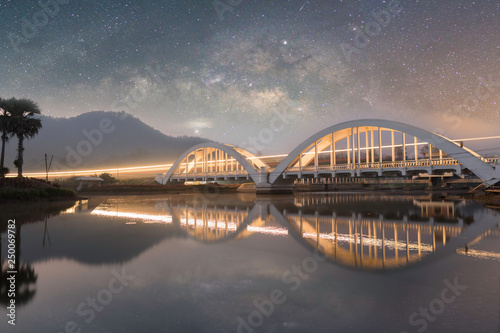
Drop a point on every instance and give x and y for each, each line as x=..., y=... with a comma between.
x=227, y=70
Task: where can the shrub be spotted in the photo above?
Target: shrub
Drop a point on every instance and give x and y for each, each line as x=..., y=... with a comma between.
x=108, y=178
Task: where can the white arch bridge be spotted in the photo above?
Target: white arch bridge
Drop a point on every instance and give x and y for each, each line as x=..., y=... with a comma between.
x=352, y=148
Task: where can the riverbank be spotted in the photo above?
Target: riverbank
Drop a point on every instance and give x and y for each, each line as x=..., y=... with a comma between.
x=491, y=200
x=32, y=189
x=212, y=188
x=158, y=189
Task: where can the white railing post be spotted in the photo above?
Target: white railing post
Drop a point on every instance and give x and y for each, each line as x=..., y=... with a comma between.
x=416, y=149
x=316, y=158
x=380, y=149
x=393, y=149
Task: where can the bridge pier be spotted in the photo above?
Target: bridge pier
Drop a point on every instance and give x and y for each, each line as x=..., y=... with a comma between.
x=266, y=188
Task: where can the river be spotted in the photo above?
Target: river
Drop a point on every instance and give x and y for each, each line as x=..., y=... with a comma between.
x=326, y=262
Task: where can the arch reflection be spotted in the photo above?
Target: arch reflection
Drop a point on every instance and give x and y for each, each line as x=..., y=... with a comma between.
x=370, y=242
x=374, y=232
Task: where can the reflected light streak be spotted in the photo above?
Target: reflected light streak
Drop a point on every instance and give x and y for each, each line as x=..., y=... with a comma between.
x=145, y=217
x=275, y=231
x=479, y=254
x=390, y=244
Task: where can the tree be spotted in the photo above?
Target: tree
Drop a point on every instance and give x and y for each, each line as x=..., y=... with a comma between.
x=424, y=151
x=108, y=178
x=398, y=151
x=23, y=125
x=6, y=134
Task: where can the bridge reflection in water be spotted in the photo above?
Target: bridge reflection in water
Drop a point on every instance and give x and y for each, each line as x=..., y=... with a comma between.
x=357, y=230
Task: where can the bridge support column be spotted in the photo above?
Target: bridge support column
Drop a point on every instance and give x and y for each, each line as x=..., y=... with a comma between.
x=263, y=175
x=283, y=187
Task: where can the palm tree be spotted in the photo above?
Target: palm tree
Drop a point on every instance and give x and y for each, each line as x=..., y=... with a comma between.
x=4, y=127
x=23, y=125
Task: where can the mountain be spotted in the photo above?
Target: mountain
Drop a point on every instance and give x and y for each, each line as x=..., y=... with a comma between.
x=98, y=139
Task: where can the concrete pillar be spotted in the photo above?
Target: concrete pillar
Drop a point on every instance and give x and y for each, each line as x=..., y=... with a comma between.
x=393, y=149
x=404, y=148
x=263, y=175
x=316, y=158
x=334, y=155
x=430, y=156
x=300, y=165
x=359, y=149
x=380, y=150
x=332, y=149
x=348, y=149
x=373, y=146
x=353, y=150
x=225, y=164
x=367, y=151
x=194, y=163
x=416, y=148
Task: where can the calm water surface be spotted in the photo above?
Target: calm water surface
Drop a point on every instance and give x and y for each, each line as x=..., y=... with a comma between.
x=339, y=262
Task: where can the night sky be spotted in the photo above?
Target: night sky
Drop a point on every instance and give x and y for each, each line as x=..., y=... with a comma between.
x=229, y=70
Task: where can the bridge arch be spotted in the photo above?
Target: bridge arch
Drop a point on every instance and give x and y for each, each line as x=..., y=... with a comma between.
x=348, y=130
x=214, y=160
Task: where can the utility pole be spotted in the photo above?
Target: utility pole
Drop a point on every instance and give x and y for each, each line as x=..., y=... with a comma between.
x=47, y=167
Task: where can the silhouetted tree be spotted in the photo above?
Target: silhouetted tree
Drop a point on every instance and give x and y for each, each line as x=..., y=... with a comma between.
x=6, y=134
x=108, y=178
x=23, y=125
x=424, y=151
x=399, y=153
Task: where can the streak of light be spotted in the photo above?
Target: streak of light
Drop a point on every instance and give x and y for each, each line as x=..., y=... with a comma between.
x=483, y=138
x=479, y=254
x=161, y=167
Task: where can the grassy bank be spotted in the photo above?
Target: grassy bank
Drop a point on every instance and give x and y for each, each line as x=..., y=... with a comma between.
x=32, y=189
x=489, y=199
x=158, y=189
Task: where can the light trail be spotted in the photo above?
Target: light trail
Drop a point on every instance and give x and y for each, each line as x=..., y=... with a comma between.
x=161, y=167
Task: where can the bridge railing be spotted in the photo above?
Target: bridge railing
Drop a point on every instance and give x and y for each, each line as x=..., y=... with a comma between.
x=209, y=174
x=490, y=159
x=377, y=165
